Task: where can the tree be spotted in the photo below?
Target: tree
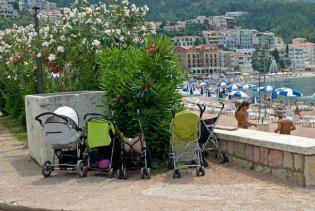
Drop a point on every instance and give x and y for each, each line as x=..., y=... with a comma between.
x=275, y=55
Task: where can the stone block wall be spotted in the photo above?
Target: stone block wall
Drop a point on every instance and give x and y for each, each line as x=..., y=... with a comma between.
x=296, y=168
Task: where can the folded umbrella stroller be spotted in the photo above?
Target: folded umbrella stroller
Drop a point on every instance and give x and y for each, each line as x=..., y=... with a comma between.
x=185, y=149
x=208, y=140
x=134, y=154
x=61, y=131
x=103, y=148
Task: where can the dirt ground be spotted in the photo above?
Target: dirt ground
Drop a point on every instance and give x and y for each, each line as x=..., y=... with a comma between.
x=223, y=188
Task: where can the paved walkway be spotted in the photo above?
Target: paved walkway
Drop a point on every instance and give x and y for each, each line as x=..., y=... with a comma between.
x=223, y=188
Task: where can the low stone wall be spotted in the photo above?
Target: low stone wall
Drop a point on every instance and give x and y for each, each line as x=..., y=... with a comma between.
x=289, y=158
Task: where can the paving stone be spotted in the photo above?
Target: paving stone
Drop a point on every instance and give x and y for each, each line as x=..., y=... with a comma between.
x=309, y=171
x=262, y=169
x=275, y=158
x=263, y=155
x=280, y=173
x=249, y=152
x=230, y=147
x=239, y=150
x=288, y=160
x=298, y=162
x=296, y=178
x=256, y=154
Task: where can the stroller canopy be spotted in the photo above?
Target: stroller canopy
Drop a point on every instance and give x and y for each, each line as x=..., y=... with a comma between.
x=68, y=112
x=186, y=126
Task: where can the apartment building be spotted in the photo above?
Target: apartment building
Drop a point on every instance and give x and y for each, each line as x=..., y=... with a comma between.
x=213, y=37
x=202, y=59
x=186, y=40
x=238, y=38
x=264, y=40
x=302, y=56
x=7, y=8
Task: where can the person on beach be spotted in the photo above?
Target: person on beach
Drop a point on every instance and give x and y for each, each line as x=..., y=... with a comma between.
x=241, y=115
x=285, y=126
x=297, y=111
x=269, y=103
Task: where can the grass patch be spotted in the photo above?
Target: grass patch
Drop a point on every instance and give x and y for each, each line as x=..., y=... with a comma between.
x=16, y=128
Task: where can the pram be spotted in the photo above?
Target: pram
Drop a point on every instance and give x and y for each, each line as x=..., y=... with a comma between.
x=185, y=133
x=207, y=136
x=102, y=151
x=134, y=154
x=61, y=131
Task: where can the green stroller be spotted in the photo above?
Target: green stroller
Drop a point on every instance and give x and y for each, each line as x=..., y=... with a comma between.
x=103, y=146
x=185, y=150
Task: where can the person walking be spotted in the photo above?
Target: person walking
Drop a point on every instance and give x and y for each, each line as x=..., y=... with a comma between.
x=285, y=126
x=241, y=115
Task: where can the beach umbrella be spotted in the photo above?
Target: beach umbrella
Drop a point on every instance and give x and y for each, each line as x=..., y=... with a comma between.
x=208, y=93
x=249, y=86
x=273, y=95
x=203, y=84
x=222, y=84
x=201, y=91
x=265, y=89
x=233, y=87
x=238, y=94
x=254, y=100
x=288, y=92
x=191, y=91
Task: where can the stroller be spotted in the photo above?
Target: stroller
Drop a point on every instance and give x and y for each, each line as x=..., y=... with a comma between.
x=185, y=133
x=207, y=136
x=134, y=154
x=61, y=131
x=102, y=152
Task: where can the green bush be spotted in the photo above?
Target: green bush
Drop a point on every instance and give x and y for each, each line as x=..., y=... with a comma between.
x=143, y=78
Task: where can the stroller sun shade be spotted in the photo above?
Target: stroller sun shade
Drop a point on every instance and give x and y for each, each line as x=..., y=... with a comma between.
x=68, y=112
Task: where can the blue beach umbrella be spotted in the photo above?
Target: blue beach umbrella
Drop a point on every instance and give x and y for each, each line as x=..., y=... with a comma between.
x=201, y=91
x=208, y=93
x=238, y=94
x=265, y=89
x=249, y=86
x=254, y=100
x=273, y=95
x=233, y=87
x=288, y=92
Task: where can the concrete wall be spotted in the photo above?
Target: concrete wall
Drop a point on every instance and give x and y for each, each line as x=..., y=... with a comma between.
x=83, y=102
x=289, y=158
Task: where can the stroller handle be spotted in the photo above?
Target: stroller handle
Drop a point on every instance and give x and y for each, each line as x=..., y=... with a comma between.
x=93, y=114
x=202, y=109
x=38, y=118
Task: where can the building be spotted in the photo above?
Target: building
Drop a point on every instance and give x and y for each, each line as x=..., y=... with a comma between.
x=264, y=40
x=243, y=59
x=45, y=7
x=186, y=40
x=298, y=40
x=302, y=56
x=202, y=59
x=227, y=61
x=236, y=14
x=180, y=26
x=237, y=38
x=213, y=37
x=7, y=8
x=221, y=22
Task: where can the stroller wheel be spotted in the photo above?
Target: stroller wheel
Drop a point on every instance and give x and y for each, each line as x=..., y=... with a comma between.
x=119, y=174
x=205, y=163
x=176, y=173
x=125, y=174
x=81, y=169
x=200, y=171
x=111, y=173
x=148, y=173
x=46, y=168
x=142, y=172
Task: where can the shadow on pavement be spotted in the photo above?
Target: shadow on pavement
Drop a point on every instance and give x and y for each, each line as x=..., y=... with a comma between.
x=24, y=165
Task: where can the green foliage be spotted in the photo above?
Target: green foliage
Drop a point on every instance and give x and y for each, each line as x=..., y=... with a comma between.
x=143, y=78
x=23, y=20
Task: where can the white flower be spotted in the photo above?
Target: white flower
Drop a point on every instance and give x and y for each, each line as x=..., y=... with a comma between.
x=62, y=38
x=146, y=8
x=25, y=63
x=96, y=43
x=60, y=49
x=125, y=2
x=45, y=44
x=51, y=57
x=39, y=55
x=133, y=8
